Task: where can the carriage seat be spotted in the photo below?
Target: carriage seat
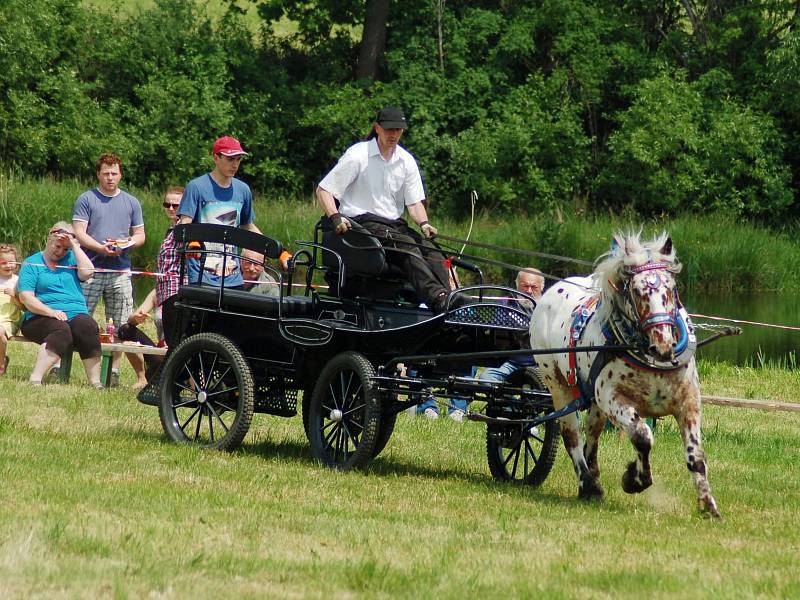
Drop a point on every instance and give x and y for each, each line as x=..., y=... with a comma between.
x=367, y=272
x=240, y=300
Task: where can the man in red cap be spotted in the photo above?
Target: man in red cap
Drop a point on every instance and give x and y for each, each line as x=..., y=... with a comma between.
x=218, y=197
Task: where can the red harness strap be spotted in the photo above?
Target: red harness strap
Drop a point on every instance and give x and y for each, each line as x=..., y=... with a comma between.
x=580, y=317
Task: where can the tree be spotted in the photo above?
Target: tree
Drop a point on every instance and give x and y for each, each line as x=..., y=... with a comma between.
x=373, y=39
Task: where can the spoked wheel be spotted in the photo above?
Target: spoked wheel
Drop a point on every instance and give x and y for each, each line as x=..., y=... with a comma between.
x=523, y=453
x=344, y=413
x=206, y=393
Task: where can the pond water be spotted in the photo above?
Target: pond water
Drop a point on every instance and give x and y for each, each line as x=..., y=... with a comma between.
x=773, y=344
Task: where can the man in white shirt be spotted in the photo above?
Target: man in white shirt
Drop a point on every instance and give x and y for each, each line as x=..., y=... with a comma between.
x=374, y=182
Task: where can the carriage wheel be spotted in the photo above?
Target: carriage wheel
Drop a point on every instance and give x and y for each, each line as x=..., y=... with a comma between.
x=206, y=393
x=521, y=453
x=344, y=413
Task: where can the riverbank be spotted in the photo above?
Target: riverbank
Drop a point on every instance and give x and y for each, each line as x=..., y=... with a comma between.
x=717, y=253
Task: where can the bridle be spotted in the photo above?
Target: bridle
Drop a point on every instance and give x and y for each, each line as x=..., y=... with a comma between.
x=651, y=319
x=629, y=326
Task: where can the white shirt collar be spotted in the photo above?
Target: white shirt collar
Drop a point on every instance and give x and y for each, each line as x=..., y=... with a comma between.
x=374, y=149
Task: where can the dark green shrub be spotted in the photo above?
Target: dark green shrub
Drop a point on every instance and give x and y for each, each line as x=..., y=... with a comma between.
x=677, y=150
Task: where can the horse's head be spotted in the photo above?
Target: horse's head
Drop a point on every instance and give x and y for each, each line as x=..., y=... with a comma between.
x=639, y=280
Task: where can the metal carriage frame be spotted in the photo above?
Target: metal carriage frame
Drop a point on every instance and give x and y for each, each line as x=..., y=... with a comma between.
x=356, y=362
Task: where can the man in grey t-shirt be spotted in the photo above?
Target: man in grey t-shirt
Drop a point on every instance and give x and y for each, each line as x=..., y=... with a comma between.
x=108, y=223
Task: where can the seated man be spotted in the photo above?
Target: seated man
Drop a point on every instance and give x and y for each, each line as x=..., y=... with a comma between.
x=256, y=280
x=531, y=282
x=375, y=181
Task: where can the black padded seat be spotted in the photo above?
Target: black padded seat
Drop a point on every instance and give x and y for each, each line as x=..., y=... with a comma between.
x=362, y=254
x=240, y=300
x=368, y=273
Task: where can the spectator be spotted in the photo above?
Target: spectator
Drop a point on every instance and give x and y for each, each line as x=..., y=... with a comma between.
x=168, y=265
x=56, y=313
x=374, y=182
x=529, y=281
x=160, y=300
x=218, y=197
x=10, y=314
x=130, y=332
x=108, y=222
x=253, y=270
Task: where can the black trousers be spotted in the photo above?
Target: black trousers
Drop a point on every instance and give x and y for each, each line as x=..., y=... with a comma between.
x=131, y=333
x=169, y=315
x=424, y=266
x=81, y=332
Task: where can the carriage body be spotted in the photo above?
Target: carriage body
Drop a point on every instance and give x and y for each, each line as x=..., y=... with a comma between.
x=253, y=353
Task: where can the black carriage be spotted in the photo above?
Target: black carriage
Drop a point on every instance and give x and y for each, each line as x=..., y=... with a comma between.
x=357, y=351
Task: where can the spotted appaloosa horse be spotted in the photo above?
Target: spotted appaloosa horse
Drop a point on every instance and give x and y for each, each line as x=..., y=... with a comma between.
x=631, y=298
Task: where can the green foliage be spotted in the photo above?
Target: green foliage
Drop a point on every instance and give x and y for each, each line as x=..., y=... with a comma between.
x=677, y=149
x=527, y=154
x=598, y=105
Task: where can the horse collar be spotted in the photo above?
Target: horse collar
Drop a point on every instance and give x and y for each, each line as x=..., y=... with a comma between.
x=620, y=331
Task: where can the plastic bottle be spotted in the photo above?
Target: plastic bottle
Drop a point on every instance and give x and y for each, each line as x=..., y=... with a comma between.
x=110, y=329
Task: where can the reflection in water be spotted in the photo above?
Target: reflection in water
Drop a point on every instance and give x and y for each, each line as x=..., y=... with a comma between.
x=774, y=344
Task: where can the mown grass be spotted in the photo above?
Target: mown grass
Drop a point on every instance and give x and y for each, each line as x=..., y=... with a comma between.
x=95, y=503
x=717, y=253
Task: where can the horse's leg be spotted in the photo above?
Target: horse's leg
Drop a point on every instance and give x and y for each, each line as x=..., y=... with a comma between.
x=588, y=485
x=689, y=423
x=637, y=476
x=595, y=422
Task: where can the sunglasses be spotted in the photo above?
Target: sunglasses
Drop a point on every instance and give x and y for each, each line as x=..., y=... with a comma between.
x=64, y=232
x=168, y=205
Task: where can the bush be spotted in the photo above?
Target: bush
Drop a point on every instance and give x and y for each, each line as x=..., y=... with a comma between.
x=677, y=150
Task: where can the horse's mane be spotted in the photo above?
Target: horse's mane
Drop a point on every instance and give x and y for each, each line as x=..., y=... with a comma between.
x=628, y=250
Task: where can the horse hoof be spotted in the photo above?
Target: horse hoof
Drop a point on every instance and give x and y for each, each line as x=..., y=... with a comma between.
x=631, y=483
x=590, y=489
x=708, y=508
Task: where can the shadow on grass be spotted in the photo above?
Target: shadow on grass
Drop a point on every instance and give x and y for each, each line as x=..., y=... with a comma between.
x=293, y=451
x=289, y=450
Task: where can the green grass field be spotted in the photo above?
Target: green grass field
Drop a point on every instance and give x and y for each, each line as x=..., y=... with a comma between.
x=96, y=503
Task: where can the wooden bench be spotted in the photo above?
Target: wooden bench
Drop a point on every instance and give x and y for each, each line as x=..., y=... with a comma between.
x=105, y=366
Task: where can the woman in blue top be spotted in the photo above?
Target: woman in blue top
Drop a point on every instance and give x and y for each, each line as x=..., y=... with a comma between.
x=56, y=315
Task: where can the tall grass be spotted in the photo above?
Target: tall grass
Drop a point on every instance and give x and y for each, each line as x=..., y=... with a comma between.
x=718, y=253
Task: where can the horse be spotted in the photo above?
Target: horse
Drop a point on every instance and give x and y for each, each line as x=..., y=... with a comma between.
x=630, y=302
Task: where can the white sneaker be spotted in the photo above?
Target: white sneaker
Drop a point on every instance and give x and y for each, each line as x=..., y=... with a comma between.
x=430, y=414
x=457, y=415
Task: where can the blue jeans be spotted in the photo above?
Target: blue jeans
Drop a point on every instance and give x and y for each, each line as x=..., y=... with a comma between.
x=501, y=373
x=454, y=404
